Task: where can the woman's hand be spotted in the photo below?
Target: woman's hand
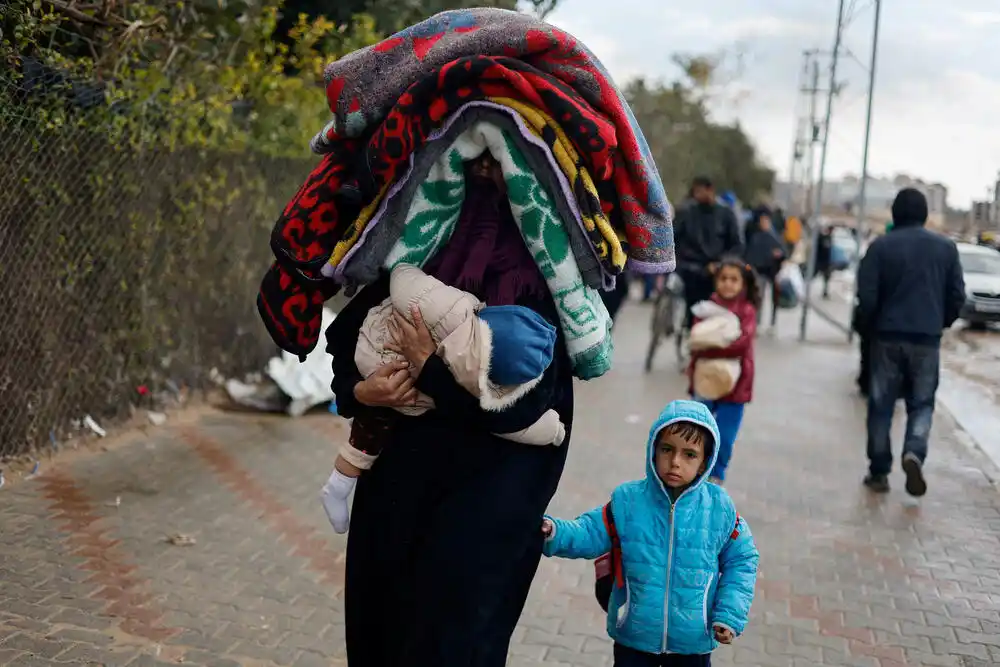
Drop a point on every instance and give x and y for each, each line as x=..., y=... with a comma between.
x=391, y=386
x=413, y=341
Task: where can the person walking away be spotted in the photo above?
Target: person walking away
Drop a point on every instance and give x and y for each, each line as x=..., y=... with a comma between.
x=864, y=348
x=779, y=221
x=672, y=521
x=910, y=288
x=824, y=257
x=765, y=252
x=704, y=232
x=737, y=288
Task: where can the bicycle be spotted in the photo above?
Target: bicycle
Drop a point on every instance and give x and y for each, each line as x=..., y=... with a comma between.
x=669, y=312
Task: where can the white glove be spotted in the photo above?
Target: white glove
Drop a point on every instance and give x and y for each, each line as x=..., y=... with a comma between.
x=334, y=497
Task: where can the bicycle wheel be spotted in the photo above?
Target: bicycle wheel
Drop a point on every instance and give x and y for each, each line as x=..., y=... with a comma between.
x=660, y=324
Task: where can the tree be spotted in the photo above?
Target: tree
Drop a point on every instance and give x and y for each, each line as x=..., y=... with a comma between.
x=686, y=142
x=393, y=15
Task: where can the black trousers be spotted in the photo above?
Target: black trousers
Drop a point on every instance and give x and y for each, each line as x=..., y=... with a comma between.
x=865, y=369
x=443, y=546
x=627, y=657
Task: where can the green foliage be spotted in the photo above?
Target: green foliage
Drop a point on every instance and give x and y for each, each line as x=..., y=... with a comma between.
x=391, y=15
x=132, y=267
x=208, y=74
x=686, y=142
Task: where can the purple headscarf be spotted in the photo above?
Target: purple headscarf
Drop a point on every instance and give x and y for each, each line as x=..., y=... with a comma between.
x=486, y=254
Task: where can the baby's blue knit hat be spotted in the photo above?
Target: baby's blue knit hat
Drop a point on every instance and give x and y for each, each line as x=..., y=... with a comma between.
x=523, y=343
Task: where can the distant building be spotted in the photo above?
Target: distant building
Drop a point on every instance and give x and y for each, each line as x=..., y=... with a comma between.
x=981, y=215
x=843, y=196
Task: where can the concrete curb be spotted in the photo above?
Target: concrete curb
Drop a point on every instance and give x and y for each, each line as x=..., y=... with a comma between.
x=974, y=410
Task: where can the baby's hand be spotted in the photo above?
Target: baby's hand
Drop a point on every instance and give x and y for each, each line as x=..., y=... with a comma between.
x=548, y=528
x=723, y=635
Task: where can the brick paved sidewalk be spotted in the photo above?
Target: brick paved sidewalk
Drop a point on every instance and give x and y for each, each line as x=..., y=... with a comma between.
x=87, y=576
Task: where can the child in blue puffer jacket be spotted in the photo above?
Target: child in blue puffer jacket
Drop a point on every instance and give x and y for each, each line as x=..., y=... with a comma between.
x=687, y=566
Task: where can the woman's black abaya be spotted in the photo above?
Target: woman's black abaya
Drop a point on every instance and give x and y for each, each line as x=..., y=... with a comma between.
x=445, y=534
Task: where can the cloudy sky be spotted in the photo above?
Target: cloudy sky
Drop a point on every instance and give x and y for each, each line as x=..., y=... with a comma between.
x=937, y=96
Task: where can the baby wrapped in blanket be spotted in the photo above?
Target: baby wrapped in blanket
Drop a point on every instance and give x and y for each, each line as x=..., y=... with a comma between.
x=717, y=327
x=497, y=353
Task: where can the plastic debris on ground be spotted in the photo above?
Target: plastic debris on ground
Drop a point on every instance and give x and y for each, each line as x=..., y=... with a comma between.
x=89, y=422
x=181, y=540
x=290, y=386
x=157, y=418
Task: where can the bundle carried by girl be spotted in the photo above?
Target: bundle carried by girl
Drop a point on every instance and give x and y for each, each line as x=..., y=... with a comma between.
x=497, y=354
x=717, y=327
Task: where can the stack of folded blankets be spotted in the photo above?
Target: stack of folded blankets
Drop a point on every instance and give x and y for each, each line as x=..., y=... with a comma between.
x=410, y=111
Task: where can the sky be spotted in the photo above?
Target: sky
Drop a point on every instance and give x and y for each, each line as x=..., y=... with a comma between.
x=937, y=93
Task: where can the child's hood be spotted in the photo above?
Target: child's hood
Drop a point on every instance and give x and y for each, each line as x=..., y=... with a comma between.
x=682, y=411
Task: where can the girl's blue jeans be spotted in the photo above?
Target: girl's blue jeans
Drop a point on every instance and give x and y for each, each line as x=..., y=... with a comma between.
x=728, y=416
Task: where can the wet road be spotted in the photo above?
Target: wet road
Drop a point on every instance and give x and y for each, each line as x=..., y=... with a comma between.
x=87, y=576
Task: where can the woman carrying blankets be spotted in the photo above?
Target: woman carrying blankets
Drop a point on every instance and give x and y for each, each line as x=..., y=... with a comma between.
x=569, y=195
x=418, y=592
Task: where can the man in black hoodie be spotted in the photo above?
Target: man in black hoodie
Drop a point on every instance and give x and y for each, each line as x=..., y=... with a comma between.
x=910, y=288
x=704, y=232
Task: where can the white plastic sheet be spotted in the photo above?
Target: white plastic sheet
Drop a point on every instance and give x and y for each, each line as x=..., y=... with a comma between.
x=307, y=384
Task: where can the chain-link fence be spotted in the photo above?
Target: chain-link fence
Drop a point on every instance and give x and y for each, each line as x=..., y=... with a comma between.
x=121, y=266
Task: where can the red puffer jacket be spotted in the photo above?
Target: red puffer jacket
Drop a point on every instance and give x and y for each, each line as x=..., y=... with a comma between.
x=741, y=348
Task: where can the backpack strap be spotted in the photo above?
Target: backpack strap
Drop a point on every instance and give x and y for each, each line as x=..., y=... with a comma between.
x=616, y=546
x=736, y=529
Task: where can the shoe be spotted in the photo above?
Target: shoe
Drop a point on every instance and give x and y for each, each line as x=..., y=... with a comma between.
x=916, y=485
x=877, y=483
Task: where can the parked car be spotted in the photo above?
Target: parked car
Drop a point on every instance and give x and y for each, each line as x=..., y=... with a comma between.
x=981, y=270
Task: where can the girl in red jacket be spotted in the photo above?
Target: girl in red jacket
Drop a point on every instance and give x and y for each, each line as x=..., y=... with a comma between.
x=737, y=288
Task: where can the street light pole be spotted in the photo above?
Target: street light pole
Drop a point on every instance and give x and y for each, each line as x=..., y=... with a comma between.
x=862, y=223
x=818, y=195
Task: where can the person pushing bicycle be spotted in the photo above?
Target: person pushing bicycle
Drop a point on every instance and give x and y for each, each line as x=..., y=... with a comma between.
x=705, y=231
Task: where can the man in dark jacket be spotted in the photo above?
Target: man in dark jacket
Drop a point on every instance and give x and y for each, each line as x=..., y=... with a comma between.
x=704, y=232
x=824, y=257
x=910, y=288
x=765, y=252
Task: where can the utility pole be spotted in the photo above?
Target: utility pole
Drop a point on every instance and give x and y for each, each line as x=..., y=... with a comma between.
x=814, y=130
x=862, y=224
x=817, y=206
x=863, y=195
x=806, y=134
x=798, y=139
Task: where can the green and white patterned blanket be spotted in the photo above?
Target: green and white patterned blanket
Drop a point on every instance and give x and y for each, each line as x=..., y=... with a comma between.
x=584, y=320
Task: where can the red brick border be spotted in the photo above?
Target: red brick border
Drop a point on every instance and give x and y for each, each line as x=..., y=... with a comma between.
x=122, y=588
x=305, y=540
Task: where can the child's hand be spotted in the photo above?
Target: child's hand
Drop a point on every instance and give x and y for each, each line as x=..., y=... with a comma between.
x=723, y=635
x=548, y=528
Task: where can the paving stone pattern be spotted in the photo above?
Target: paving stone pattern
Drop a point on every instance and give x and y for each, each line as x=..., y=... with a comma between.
x=87, y=576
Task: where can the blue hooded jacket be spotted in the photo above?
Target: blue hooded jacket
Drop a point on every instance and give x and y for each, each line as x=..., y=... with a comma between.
x=689, y=564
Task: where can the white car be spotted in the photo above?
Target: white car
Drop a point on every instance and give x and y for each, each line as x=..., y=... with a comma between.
x=981, y=270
